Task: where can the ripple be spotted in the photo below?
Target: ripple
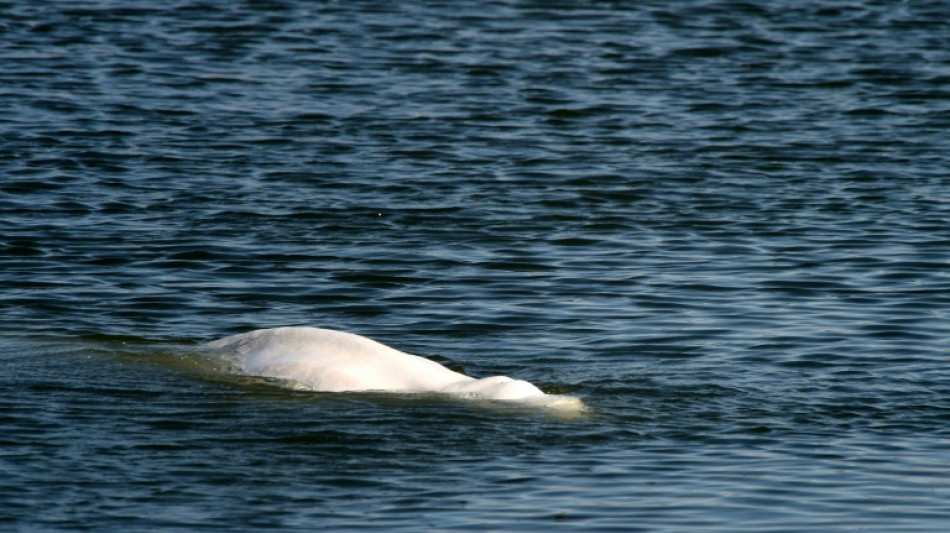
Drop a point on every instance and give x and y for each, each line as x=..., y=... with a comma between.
x=722, y=224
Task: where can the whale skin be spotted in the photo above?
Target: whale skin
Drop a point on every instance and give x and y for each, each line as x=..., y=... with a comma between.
x=336, y=361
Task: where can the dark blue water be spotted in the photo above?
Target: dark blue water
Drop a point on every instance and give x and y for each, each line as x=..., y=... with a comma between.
x=725, y=225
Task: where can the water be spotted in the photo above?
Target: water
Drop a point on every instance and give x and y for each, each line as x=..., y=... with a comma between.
x=724, y=225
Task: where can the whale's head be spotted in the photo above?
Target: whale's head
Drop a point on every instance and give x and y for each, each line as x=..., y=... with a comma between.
x=495, y=388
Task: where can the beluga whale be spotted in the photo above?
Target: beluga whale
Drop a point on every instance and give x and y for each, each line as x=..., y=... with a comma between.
x=336, y=361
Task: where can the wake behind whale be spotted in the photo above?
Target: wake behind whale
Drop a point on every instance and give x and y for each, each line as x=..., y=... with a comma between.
x=335, y=361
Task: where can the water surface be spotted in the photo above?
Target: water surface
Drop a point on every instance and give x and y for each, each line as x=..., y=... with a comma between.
x=722, y=224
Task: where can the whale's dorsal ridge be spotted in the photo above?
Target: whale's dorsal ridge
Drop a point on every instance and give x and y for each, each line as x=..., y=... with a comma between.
x=336, y=361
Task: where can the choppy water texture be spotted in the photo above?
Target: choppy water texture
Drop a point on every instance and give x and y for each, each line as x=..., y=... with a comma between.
x=725, y=225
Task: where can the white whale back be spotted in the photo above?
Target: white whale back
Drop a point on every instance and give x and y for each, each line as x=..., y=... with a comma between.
x=328, y=360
